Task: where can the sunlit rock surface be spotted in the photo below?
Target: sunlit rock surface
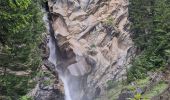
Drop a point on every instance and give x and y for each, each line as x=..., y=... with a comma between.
x=92, y=44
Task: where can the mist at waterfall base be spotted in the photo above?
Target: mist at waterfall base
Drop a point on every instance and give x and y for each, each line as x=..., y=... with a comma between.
x=71, y=84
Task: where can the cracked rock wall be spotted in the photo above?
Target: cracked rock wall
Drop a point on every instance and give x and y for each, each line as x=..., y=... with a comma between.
x=96, y=34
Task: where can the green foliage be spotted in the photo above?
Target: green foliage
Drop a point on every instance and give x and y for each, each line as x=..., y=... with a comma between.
x=47, y=82
x=25, y=98
x=151, y=34
x=156, y=90
x=14, y=86
x=109, y=21
x=111, y=84
x=117, y=87
x=93, y=46
x=20, y=33
x=5, y=98
x=114, y=92
x=137, y=96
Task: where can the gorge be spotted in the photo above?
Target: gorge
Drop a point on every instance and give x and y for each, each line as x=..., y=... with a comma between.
x=84, y=49
x=84, y=43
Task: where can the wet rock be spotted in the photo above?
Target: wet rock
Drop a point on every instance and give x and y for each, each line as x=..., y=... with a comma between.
x=125, y=96
x=97, y=91
x=49, y=95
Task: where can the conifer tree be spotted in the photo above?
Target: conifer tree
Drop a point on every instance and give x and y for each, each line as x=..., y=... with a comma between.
x=21, y=26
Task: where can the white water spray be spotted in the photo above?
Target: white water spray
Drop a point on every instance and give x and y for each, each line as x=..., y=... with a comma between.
x=53, y=59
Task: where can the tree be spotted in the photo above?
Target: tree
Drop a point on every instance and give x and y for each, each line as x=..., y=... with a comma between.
x=20, y=33
x=151, y=33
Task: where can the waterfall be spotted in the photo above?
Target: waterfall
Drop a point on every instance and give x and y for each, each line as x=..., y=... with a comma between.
x=52, y=58
x=66, y=88
x=53, y=54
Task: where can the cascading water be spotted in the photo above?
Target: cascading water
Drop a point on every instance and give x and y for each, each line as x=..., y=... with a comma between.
x=53, y=56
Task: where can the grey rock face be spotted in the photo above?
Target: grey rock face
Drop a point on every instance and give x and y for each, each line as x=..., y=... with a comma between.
x=94, y=44
x=49, y=95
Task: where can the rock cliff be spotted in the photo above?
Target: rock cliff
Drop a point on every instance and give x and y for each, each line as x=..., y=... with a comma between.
x=91, y=45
